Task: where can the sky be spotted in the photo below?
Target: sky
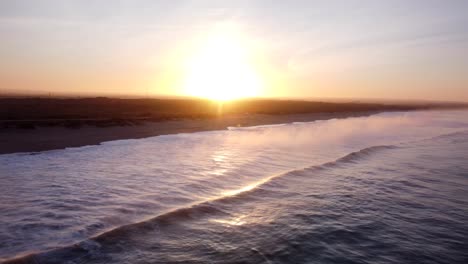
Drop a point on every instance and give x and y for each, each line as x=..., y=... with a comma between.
x=296, y=49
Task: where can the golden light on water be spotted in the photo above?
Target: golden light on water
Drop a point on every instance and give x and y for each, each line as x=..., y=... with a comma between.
x=222, y=69
x=236, y=221
x=248, y=187
x=243, y=189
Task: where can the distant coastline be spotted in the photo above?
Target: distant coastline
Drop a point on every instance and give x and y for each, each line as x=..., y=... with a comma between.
x=32, y=125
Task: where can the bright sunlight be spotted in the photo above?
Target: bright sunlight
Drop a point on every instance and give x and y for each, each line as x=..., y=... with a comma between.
x=222, y=69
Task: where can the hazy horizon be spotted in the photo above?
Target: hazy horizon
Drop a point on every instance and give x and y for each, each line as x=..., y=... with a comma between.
x=395, y=50
x=49, y=95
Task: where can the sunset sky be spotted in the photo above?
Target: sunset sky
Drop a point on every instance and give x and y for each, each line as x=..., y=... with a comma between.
x=298, y=49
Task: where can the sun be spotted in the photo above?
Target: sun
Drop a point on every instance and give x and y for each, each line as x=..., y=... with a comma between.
x=222, y=69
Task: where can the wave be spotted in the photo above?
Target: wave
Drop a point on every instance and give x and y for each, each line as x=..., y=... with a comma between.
x=260, y=127
x=356, y=156
x=193, y=211
x=319, y=119
x=453, y=135
x=257, y=127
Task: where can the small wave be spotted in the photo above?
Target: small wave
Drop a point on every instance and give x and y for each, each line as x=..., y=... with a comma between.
x=257, y=127
x=453, y=135
x=248, y=128
x=194, y=211
x=315, y=121
x=356, y=156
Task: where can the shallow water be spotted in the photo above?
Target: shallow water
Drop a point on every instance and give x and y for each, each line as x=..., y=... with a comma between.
x=390, y=188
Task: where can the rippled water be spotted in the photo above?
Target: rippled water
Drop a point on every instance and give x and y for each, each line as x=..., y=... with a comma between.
x=390, y=188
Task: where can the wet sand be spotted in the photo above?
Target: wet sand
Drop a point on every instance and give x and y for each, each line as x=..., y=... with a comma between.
x=14, y=140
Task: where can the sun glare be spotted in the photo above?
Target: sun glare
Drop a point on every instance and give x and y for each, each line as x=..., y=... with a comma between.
x=222, y=69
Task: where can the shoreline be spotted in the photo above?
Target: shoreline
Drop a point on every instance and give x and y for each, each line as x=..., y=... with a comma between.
x=14, y=140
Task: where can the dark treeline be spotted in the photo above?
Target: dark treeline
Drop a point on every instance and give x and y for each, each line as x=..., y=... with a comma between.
x=27, y=112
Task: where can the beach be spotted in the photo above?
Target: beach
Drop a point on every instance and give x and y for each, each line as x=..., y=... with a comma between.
x=42, y=138
x=40, y=124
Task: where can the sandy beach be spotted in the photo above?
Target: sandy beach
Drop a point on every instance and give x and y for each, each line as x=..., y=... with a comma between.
x=14, y=140
x=39, y=124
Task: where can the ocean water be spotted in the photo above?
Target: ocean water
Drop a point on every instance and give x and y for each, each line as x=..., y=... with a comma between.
x=388, y=188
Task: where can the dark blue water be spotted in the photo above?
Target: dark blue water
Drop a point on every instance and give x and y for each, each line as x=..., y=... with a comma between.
x=401, y=202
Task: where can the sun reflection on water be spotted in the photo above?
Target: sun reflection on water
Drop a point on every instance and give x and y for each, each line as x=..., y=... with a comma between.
x=236, y=221
x=221, y=159
x=241, y=190
x=247, y=188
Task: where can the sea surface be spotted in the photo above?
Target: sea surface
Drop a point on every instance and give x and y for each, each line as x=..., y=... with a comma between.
x=388, y=188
